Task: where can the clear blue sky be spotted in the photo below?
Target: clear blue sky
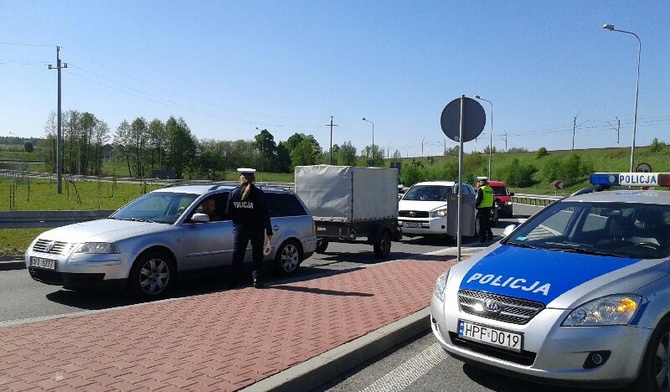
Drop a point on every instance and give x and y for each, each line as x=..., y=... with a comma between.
x=228, y=67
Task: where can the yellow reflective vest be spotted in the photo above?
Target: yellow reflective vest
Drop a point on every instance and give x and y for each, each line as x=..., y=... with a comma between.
x=487, y=197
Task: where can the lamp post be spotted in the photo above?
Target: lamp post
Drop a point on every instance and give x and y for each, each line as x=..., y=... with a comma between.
x=610, y=27
x=372, y=155
x=491, y=135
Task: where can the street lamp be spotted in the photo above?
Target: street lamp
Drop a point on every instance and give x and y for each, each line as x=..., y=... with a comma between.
x=491, y=135
x=373, y=140
x=610, y=27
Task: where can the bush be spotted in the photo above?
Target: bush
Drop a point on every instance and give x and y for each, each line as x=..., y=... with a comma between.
x=518, y=174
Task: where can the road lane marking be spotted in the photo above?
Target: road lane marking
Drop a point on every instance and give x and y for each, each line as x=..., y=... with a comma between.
x=413, y=369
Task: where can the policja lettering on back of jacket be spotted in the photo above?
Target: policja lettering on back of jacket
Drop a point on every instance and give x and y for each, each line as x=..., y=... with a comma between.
x=244, y=204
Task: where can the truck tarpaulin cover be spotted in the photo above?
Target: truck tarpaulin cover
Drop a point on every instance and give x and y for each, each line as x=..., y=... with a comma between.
x=348, y=193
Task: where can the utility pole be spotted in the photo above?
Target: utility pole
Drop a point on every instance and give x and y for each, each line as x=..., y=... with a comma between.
x=59, y=147
x=574, y=129
x=617, y=128
x=331, y=125
x=504, y=137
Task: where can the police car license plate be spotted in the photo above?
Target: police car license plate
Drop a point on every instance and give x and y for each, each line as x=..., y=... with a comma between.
x=412, y=224
x=492, y=336
x=41, y=262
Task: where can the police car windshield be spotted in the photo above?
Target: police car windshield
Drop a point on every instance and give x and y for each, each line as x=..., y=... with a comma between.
x=612, y=229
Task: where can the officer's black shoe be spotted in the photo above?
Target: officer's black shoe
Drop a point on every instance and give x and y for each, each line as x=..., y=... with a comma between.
x=258, y=284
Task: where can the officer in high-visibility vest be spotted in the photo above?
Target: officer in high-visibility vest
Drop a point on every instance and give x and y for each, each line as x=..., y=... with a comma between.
x=484, y=203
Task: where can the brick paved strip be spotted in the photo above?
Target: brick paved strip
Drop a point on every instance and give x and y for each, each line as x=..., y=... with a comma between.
x=219, y=341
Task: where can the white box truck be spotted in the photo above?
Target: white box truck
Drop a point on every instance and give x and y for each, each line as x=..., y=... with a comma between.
x=351, y=204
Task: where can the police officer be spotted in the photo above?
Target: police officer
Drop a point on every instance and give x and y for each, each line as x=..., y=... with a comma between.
x=484, y=203
x=249, y=211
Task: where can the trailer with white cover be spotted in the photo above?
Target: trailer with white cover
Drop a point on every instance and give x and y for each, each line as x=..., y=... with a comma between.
x=351, y=204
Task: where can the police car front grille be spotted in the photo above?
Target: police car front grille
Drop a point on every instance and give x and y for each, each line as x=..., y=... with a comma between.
x=509, y=309
x=412, y=214
x=53, y=247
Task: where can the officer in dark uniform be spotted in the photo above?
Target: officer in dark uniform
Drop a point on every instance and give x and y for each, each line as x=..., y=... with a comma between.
x=249, y=211
x=484, y=203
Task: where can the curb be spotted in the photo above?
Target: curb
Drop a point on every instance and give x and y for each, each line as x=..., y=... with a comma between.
x=331, y=364
x=12, y=264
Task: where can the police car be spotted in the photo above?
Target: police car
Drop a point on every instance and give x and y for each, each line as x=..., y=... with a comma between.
x=579, y=294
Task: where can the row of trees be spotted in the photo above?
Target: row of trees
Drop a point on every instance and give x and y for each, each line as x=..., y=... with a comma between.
x=170, y=146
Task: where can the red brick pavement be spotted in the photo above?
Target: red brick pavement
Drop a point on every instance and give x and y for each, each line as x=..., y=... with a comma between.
x=215, y=342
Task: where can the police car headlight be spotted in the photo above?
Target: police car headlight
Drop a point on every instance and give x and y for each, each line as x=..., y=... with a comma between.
x=611, y=310
x=98, y=247
x=441, y=285
x=440, y=212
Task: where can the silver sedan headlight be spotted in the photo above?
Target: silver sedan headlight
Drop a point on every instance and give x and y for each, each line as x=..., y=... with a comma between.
x=441, y=285
x=98, y=247
x=616, y=309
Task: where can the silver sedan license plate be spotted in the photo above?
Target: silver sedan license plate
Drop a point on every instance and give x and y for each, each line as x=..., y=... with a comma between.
x=489, y=335
x=41, y=262
x=412, y=224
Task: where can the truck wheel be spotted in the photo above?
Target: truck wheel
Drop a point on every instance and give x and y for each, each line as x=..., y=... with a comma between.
x=383, y=245
x=288, y=258
x=321, y=246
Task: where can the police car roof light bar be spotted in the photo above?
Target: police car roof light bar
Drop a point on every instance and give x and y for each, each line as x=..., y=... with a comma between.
x=630, y=179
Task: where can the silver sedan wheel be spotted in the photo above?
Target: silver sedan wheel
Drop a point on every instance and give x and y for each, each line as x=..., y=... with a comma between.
x=288, y=258
x=152, y=276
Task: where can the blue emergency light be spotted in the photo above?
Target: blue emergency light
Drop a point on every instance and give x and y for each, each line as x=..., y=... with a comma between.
x=630, y=179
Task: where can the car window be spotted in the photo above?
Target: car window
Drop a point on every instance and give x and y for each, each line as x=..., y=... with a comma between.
x=220, y=200
x=500, y=191
x=160, y=207
x=284, y=204
x=428, y=193
x=614, y=229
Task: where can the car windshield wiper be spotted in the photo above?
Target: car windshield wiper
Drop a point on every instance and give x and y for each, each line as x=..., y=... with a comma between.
x=522, y=245
x=133, y=219
x=575, y=248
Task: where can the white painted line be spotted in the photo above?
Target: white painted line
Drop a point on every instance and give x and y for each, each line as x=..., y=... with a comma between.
x=413, y=369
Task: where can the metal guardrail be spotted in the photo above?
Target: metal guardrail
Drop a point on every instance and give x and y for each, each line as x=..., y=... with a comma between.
x=535, y=200
x=47, y=219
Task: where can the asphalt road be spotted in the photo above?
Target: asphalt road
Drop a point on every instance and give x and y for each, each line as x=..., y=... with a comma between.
x=23, y=298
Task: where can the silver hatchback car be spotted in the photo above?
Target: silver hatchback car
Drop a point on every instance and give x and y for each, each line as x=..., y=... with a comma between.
x=578, y=294
x=145, y=245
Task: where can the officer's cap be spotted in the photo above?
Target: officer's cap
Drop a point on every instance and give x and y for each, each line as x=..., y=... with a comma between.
x=246, y=171
x=482, y=179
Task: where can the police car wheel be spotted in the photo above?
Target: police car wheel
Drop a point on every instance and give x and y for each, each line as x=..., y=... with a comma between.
x=655, y=371
x=288, y=258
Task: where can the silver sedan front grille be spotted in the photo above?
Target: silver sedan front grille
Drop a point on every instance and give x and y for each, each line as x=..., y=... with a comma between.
x=53, y=247
x=498, y=307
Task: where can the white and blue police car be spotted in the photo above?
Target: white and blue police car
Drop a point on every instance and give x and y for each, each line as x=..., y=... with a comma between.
x=579, y=294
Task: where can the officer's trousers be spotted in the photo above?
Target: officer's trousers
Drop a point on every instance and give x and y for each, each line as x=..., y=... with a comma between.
x=242, y=236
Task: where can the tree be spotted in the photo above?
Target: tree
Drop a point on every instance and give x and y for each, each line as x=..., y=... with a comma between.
x=304, y=153
x=264, y=143
x=156, y=143
x=346, y=154
x=181, y=146
x=28, y=146
x=123, y=143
